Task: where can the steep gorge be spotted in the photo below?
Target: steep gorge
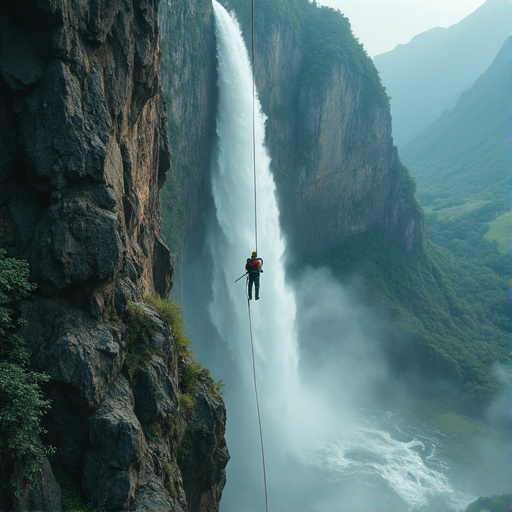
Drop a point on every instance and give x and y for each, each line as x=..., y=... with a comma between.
x=328, y=129
x=345, y=199
x=340, y=183
x=83, y=155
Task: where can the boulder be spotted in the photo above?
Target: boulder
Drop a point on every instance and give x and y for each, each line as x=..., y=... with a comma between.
x=203, y=453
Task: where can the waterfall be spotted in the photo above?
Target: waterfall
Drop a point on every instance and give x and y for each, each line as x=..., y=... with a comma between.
x=311, y=431
x=231, y=240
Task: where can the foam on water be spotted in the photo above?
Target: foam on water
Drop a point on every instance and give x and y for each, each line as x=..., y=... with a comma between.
x=373, y=455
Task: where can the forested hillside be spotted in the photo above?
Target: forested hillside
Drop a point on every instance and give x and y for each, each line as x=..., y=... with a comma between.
x=461, y=164
x=450, y=314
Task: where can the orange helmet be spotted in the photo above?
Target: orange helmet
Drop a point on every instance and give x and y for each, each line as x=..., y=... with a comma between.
x=254, y=254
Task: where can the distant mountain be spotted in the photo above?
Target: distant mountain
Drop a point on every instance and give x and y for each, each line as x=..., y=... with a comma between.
x=428, y=75
x=466, y=153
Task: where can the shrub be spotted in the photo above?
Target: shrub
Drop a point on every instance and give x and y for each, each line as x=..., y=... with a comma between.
x=140, y=329
x=172, y=313
x=14, y=286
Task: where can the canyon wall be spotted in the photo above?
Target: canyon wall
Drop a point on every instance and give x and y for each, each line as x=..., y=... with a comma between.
x=83, y=155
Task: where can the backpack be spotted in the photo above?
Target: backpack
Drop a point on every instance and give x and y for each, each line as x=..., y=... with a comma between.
x=252, y=265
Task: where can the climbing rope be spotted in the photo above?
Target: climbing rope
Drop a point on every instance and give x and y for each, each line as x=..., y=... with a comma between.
x=254, y=130
x=255, y=380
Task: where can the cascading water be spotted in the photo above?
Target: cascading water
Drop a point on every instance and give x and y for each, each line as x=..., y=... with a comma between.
x=310, y=429
x=231, y=240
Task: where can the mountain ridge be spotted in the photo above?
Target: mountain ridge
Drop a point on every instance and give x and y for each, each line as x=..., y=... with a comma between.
x=478, y=127
x=427, y=75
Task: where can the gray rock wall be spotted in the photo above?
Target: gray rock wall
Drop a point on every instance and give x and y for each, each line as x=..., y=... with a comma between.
x=84, y=141
x=83, y=155
x=328, y=130
x=189, y=79
x=336, y=168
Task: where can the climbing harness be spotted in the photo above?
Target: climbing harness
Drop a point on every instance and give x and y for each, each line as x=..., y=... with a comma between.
x=247, y=273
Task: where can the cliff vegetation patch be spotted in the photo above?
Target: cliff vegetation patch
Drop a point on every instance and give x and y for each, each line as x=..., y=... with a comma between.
x=140, y=329
x=190, y=371
x=323, y=33
x=22, y=404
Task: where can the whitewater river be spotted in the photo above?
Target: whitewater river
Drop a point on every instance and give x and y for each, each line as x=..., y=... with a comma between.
x=389, y=464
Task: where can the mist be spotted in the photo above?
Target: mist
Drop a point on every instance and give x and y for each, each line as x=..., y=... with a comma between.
x=340, y=338
x=495, y=452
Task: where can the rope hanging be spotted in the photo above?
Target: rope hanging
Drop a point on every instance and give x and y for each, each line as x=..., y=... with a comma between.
x=258, y=407
x=255, y=380
x=254, y=131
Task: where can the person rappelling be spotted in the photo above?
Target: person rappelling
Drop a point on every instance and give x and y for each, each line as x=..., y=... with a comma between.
x=254, y=269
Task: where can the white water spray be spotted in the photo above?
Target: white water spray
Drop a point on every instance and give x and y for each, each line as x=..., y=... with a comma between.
x=233, y=239
x=299, y=429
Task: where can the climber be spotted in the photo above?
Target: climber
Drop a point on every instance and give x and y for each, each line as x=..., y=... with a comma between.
x=253, y=267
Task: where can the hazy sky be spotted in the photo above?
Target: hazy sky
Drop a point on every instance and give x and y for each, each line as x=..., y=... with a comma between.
x=380, y=25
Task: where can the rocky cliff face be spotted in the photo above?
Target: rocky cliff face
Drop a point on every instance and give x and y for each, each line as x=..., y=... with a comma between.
x=83, y=155
x=337, y=169
x=189, y=76
x=328, y=132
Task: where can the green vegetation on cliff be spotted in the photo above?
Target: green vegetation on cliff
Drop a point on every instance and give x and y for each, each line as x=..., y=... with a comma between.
x=189, y=368
x=22, y=404
x=323, y=34
x=142, y=326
